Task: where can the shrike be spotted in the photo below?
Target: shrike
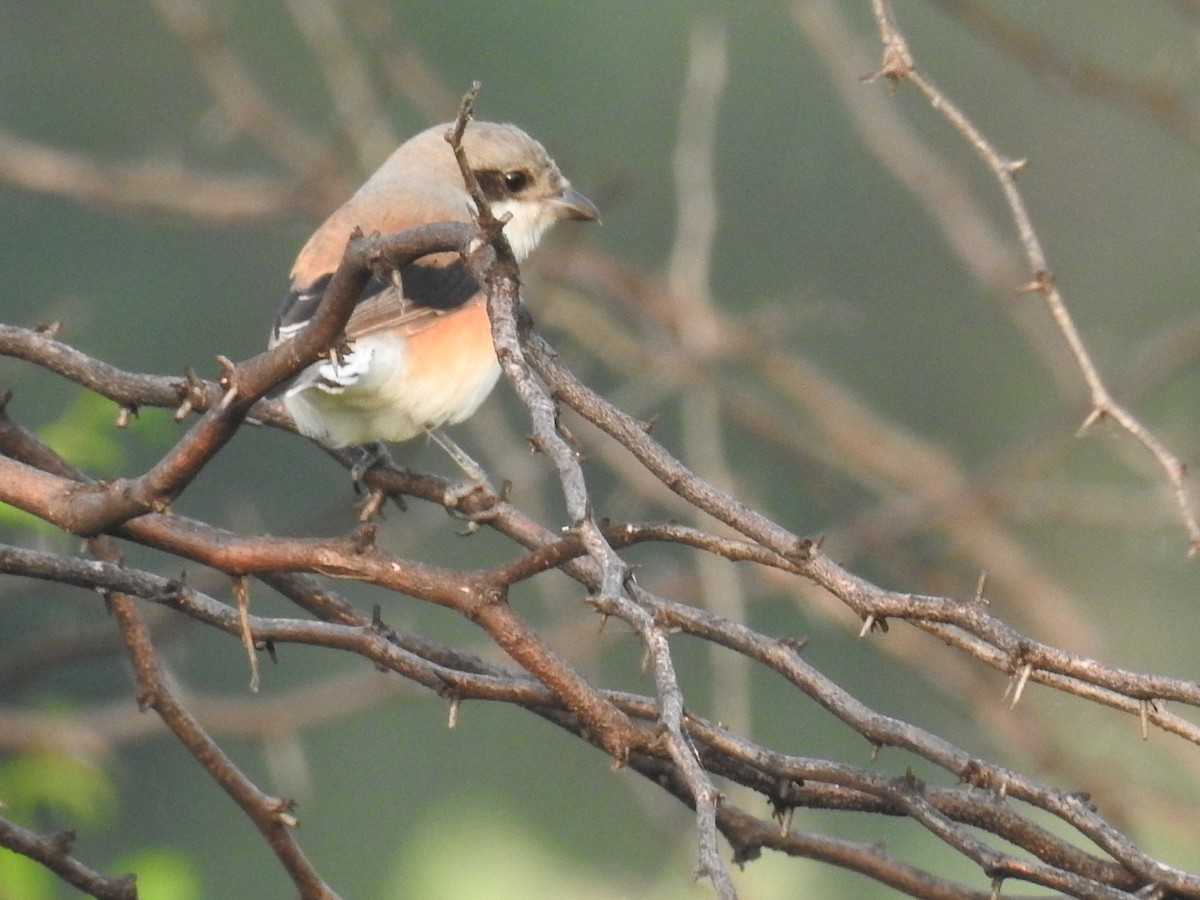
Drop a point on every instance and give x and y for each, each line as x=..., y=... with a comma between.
x=421, y=353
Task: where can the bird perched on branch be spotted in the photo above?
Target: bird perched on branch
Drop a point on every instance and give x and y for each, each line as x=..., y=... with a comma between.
x=420, y=344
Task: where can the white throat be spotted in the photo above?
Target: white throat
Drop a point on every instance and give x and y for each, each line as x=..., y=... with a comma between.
x=529, y=222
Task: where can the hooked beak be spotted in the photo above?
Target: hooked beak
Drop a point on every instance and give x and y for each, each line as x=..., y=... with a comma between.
x=571, y=204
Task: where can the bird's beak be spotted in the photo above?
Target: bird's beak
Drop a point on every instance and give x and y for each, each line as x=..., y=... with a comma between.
x=571, y=204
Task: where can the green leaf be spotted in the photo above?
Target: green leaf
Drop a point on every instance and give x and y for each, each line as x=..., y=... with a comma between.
x=86, y=434
x=21, y=877
x=58, y=782
x=162, y=874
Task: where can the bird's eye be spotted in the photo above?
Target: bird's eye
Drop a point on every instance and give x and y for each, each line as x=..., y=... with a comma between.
x=516, y=180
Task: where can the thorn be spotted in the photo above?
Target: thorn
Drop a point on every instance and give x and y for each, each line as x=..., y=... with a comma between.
x=875, y=750
x=980, y=586
x=868, y=624
x=452, y=719
x=1144, y=716
x=897, y=65
x=63, y=841
x=1093, y=417
x=285, y=813
x=804, y=549
x=124, y=414
x=371, y=506
x=241, y=591
x=1015, y=166
x=1041, y=283
x=629, y=578
x=228, y=380
x=796, y=644
x=1021, y=680
x=189, y=391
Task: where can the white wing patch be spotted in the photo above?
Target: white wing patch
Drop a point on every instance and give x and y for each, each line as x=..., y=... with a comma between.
x=335, y=376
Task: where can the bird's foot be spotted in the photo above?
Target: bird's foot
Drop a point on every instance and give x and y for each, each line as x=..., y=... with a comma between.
x=370, y=456
x=475, y=499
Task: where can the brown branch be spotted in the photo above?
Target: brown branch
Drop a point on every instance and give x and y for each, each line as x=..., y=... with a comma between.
x=480, y=600
x=973, y=808
x=273, y=817
x=54, y=852
x=502, y=280
x=511, y=338
x=682, y=752
x=722, y=753
x=100, y=507
x=349, y=556
x=898, y=66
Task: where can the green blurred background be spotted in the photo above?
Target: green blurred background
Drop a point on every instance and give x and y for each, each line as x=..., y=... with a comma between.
x=814, y=234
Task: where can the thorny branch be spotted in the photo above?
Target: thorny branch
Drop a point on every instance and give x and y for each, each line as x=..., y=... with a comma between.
x=984, y=812
x=612, y=589
x=898, y=65
x=968, y=621
x=54, y=852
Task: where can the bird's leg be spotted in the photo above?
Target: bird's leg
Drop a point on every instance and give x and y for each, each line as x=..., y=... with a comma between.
x=361, y=460
x=369, y=456
x=477, y=480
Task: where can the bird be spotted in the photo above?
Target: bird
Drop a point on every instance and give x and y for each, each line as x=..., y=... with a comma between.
x=419, y=351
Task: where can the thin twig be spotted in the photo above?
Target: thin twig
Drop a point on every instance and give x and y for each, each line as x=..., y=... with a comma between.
x=898, y=65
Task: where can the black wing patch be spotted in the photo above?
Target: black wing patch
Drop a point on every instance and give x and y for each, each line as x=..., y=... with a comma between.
x=438, y=287
x=435, y=287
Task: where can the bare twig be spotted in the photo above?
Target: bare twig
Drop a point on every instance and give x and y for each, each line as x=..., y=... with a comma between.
x=512, y=344
x=898, y=66
x=987, y=813
x=273, y=817
x=54, y=852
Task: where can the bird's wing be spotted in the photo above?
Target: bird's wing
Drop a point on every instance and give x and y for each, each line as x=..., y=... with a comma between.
x=430, y=289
